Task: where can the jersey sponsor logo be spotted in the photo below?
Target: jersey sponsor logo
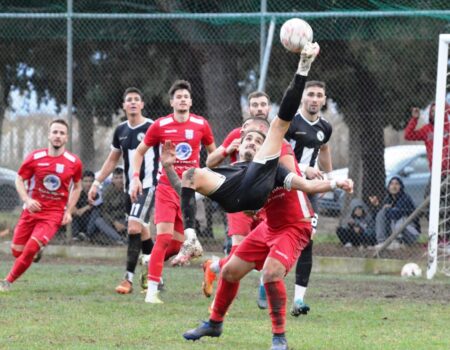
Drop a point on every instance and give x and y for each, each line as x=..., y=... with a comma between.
x=121, y=138
x=170, y=131
x=43, y=164
x=320, y=135
x=140, y=136
x=300, y=133
x=52, y=182
x=189, y=133
x=59, y=168
x=183, y=150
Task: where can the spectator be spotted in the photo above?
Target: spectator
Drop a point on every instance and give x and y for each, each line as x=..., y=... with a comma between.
x=112, y=223
x=395, y=209
x=358, y=228
x=84, y=215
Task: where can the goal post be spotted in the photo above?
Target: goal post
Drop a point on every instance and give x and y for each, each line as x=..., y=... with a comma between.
x=435, y=195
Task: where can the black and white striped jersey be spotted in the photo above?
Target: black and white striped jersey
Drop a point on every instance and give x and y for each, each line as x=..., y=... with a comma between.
x=307, y=137
x=126, y=139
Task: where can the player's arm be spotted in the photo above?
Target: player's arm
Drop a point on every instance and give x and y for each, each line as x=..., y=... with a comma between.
x=136, y=163
x=295, y=182
x=107, y=168
x=325, y=159
x=31, y=204
x=216, y=157
x=72, y=202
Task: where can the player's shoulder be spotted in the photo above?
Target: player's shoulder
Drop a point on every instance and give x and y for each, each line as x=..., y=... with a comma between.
x=197, y=119
x=165, y=120
x=38, y=154
x=235, y=132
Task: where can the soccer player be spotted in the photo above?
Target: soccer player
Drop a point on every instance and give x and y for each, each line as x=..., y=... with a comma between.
x=44, y=183
x=309, y=134
x=239, y=224
x=187, y=132
x=126, y=139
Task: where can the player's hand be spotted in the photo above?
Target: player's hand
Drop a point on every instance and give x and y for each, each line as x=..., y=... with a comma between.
x=168, y=155
x=92, y=194
x=33, y=205
x=136, y=189
x=313, y=173
x=233, y=146
x=415, y=112
x=67, y=218
x=346, y=185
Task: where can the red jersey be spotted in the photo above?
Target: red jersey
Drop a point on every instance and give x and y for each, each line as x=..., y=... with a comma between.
x=426, y=134
x=234, y=134
x=49, y=179
x=187, y=138
x=285, y=207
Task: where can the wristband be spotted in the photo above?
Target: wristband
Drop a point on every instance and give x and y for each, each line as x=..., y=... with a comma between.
x=96, y=183
x=224, y=153
x=329, y=176
x=136, y=174
x=333, y=184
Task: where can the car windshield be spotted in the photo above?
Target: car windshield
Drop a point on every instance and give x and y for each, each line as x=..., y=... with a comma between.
x=393, y=156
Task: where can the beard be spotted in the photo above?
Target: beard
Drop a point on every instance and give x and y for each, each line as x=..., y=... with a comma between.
x=248, y=155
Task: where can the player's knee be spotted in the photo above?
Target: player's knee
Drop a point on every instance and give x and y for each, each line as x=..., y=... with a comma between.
x=229, y=273
x=272, y=273
x=16, y=253
x=187, y=179
x=134, y=229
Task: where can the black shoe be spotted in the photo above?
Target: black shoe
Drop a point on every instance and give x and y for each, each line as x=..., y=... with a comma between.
x=206, y=329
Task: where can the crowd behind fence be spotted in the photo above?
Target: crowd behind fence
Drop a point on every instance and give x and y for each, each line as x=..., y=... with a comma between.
x=376, y=69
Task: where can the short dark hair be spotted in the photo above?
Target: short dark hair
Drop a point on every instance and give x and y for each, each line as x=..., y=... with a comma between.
x=133, y=90
x=257, y=119
x=256, y=94
x=317, y=83
x=180, y=85
x=59, y=121
x=88, y=173
x=118, y=171
x=259, y=132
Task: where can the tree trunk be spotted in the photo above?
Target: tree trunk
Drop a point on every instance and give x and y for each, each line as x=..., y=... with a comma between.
x=86, y=138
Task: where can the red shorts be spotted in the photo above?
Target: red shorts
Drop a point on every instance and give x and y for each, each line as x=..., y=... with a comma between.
x=32, y=225
x=240, y=224
x=284, y=244
x=168, y=207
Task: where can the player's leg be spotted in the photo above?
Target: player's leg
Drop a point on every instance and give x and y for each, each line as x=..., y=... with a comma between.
x=288, y=107
x=302, y=274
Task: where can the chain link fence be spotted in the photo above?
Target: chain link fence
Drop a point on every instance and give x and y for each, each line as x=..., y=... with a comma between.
x=378, y=61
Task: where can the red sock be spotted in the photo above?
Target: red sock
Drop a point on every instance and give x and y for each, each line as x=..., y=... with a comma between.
x=156, y=263
x=223, y=261
x=172, y=249
x=276, y=298
x=23, y=262
x=226, y=292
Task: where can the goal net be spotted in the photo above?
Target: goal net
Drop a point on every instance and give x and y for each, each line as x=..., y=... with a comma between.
x=439, y=214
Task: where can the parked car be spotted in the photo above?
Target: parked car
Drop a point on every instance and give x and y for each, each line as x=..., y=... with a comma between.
x=409, y=162
x=9, y=199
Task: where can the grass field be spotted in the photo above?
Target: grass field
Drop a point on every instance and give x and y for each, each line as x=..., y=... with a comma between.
x=67, y=304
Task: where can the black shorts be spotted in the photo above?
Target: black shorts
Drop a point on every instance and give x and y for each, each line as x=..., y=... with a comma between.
x=140, y=210
x=248, y=188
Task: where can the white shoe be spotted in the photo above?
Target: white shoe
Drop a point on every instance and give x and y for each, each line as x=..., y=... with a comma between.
x=153, y=298
x=307, y=57
x=191, y=248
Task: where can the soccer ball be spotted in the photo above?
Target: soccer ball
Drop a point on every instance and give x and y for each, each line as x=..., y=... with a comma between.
x=411, y=270
x=295, y=33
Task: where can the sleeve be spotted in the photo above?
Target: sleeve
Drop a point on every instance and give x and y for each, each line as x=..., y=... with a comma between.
x=286, y=150
x=289, y=134
x=329, y=131
x=230, y=137
x=116, y=142
x=411, y=134
x=152, y=135
x=208, y=137
x=281, y=175
x=78, y=171
x=26, y=170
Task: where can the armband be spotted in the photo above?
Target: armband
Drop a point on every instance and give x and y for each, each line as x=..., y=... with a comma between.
x=329, y=175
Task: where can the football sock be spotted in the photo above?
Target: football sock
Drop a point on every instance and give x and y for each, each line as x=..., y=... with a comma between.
x=188, y=207
x=172, y=249
x=24, y=261
x=304, y=266
x=147, y=246
x=276, y=298
x=224, y=260
x=156, y=263
x=291, y=99
x=226, y=292
x=133, y=251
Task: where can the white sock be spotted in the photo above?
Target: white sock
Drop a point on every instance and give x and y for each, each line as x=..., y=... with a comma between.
x=189, y=233
x=152, y=288
x=129, y=276
x=261, y=282
x=299, y=292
